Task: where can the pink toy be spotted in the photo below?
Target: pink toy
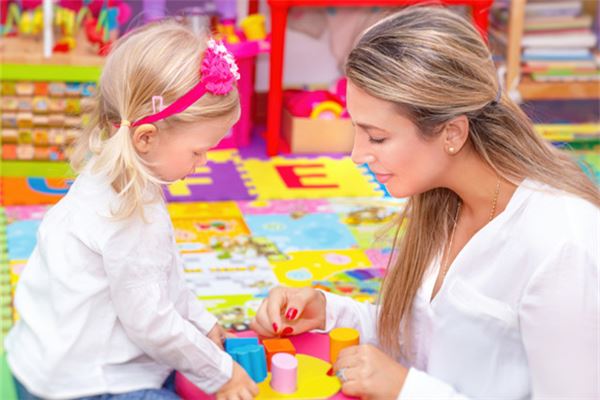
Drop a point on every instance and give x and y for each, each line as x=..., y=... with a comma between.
x=301, y=103
x=284, y=370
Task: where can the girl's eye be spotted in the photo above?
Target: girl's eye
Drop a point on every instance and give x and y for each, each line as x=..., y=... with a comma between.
x=197, y=153
x=376, y=141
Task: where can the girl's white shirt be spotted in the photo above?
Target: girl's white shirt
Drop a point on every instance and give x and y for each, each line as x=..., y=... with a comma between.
x=103, y=303
x=517, y=316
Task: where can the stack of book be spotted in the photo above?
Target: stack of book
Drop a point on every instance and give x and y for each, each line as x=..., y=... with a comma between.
x=559, y=42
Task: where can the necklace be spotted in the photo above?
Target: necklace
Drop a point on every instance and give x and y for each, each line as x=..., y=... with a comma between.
x=446, y=264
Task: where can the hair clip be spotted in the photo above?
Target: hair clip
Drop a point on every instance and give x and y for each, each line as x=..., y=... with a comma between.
x=160, y=101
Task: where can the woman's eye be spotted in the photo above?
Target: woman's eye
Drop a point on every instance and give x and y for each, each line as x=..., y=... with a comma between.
x=375, y=140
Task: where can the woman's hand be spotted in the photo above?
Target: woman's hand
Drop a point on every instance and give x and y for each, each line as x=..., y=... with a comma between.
x=368, y=373
x=290, y=311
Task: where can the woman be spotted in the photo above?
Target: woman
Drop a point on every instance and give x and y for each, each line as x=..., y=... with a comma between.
x=493, y=291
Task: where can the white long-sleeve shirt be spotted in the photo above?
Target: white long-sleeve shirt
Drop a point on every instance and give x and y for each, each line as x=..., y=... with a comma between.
x=103, y=304
x=518, y=313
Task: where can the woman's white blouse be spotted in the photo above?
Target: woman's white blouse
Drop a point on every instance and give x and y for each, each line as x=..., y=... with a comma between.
x=517, y=316
x=103, y=304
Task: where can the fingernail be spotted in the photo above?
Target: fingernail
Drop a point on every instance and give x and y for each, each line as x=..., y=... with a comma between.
x=291, y=314
x=330, y=372
x=274, y=327
x=287, y=331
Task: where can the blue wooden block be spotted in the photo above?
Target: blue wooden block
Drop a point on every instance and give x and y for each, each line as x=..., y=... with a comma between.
x=232, y=343
x=252, y=358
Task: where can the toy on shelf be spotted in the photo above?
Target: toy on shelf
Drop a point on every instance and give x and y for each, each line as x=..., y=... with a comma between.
x=318, y=104
x=41, y=119
x=100, y=19
x=226, y=32
x=317, y=121
x=253, y=27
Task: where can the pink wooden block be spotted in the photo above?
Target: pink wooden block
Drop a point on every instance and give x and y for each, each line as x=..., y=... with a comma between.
x=284, y=373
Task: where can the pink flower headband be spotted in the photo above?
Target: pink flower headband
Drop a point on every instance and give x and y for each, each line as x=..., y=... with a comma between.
x=218, y=72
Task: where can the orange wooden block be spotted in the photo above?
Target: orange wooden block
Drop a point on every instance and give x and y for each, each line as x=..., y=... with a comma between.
x=274, y=346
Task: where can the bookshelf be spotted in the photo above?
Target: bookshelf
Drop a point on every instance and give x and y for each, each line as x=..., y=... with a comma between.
x=535, y=90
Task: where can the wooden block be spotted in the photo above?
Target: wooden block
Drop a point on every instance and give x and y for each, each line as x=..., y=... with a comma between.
x=274, y=346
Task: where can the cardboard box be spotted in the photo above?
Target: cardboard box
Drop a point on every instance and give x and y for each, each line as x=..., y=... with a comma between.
x=305, y=135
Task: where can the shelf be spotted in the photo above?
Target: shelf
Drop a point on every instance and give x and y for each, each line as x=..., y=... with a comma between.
x=572, y=90
x=29, y=51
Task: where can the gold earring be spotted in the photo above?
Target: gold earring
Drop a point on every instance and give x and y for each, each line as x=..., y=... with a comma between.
x=451, y=150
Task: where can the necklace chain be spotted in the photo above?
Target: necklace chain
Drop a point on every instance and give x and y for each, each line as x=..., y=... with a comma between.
x=446, y=264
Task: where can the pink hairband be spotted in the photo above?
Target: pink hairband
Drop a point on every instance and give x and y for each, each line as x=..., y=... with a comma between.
x=218, y=72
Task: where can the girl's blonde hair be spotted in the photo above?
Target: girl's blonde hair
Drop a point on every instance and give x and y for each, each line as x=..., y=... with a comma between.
x=158, y=59
x=434, y=66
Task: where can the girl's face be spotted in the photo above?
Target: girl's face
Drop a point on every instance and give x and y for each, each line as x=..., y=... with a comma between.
x=402, y=160
x=180, y=150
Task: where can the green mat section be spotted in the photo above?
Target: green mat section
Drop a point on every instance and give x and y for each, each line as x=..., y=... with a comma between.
x=45, y=169
x=7, y=387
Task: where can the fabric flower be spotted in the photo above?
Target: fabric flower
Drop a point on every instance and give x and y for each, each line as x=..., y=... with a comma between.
x=219, y=70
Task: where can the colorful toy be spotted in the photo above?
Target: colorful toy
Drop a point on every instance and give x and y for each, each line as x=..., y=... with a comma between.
x=327, y=110
x=339, y=339
x=250, y=355
x=312, y=379
x=253, y=27
x=313, y=104
x=284, y=373
x=274, y=346
x=226, y=32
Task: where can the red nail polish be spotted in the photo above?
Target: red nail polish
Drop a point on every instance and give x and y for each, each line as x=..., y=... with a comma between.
x=287, y=331
x=330, y=372
x=291, y=314
x=274, y=327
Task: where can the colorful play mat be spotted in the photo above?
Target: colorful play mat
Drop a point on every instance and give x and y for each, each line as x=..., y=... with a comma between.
x=244, y=224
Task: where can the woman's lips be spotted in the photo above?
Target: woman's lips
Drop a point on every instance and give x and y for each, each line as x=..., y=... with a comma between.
x=383, y=178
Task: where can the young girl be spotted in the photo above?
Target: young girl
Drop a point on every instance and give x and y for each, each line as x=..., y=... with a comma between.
x=103, y=303
x=494, y=290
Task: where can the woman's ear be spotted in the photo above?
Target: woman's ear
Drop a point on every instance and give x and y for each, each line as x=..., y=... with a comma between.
x=456, y=134
x=145, y=137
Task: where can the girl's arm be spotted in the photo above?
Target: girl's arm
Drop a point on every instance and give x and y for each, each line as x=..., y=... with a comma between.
x=138, y=258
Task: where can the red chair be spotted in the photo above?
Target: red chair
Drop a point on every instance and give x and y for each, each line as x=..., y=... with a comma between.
x=279, y=13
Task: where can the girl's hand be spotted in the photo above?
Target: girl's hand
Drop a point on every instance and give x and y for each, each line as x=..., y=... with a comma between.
x=368, y=373
x=218, y=335
x=290, y=311
x=239, y=387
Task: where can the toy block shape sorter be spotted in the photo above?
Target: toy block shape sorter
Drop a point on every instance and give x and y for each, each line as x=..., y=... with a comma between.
x=274, y=346
x=250, y=355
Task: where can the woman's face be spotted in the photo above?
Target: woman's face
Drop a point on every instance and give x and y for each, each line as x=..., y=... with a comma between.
x=403, y=160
